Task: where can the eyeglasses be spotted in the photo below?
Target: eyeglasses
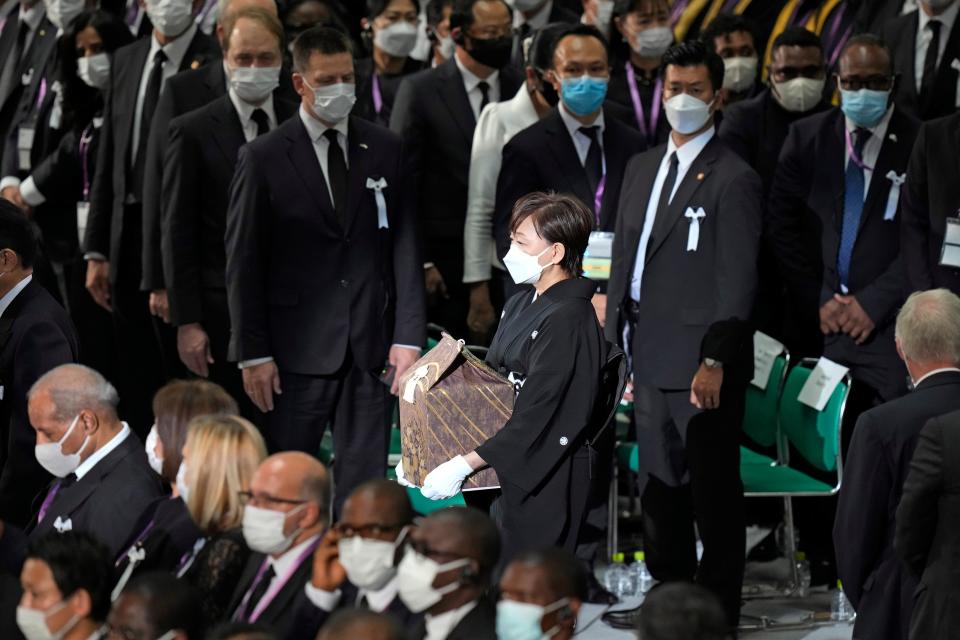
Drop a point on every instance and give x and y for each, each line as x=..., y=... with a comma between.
x=873, y=83
x=424, y=550
x=783, y=74
x=345, y=530
x=247, y=497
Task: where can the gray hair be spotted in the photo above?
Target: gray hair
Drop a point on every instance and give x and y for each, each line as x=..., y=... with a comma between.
x=73, y=388
x=928, y=327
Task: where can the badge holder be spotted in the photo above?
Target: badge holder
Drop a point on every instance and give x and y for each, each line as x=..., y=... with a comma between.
x=950, y=253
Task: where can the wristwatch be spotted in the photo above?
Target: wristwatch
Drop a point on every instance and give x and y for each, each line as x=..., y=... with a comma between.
x=710, y=363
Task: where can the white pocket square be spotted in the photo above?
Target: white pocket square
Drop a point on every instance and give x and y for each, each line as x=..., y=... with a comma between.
x=62, y=525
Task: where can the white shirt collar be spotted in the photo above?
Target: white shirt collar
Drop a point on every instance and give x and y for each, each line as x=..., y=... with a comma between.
x=470, y=80
x=537, y=20
x=33, y=16
x=930, y=374
x=245, y=109
x=877, y=131
x=285, y=562
x=573, y=125
x=102, y=452
x=316, y=129
x=379, y=600
x=175, y=50
x=440, y=626
x=689, y=151
x=948, y=17
x=13, y=293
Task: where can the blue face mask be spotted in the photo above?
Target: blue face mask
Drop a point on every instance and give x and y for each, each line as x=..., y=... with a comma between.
x=865, y=107
x=584, y=95
x=522, y=620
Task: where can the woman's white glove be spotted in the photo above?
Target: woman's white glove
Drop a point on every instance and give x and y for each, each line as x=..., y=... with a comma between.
x=445, y=481
x=403, y=482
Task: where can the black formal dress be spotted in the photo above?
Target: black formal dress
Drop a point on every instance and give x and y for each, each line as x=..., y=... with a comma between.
x=647, y=115
x=215, y=570
x=163, y=535
x=376, y=92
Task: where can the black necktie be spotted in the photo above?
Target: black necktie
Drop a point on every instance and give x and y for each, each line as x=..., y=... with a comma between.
x=594, y=161
x=485, y=93
x=259, y=116
x=150, y=98
x=258, y=590
x=337, y=176
x=930, y=63
x=363, y=603
x=665, y=194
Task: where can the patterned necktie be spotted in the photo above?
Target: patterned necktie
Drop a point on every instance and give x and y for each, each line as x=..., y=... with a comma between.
x=853, y=192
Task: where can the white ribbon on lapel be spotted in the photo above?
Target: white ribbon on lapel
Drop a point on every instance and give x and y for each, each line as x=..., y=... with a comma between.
x=693, y=236
x=62, y=525
x=893, y=198
x=378, y=186
x=135, y=555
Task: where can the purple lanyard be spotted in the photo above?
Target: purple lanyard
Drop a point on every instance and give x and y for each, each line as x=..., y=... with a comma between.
x=834, y=28
x=377, y=96
x=598, y=197
x=43, y=92
x=274, y=589
x=649, y=133
x=48, y=500
x=853, y=153
x=85, y=139
x=136, y=541
x=678, y=8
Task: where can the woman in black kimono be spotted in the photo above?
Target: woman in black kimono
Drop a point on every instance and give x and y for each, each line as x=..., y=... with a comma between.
x=550, y=345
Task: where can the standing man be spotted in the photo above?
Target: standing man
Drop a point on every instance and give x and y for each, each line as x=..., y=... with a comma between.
x=732, y=37
x=681, y=289
x=529, y=16
x=323, y=274
x=26, y=38
x=435, y=112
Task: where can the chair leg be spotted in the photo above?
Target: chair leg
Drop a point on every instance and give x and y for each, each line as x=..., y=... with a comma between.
x=791, y=543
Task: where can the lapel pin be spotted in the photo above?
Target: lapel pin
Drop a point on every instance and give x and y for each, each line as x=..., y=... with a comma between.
x=195, y=64
x=363, y=146
x=43, y=32
x=893, y=137
x=700, y=177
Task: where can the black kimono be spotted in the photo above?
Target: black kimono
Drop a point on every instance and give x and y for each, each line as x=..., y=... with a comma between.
x=554, y=348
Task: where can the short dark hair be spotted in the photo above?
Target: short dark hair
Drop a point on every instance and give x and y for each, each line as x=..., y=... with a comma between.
x=323, y=40
x=557, y=218
x=392, y=492
x=462, y=15
x=376, y=7
x=78, y=561
x=867, y=40
x=346, y=623
x=481, y=533
x=435, y=11
x=725, y=24
x=584, y=31
x=565, y=574
x=797, y=37
x=694, y=53
x=240, y=630
x=623, y=7
x=17, y=233
x=170, y=603
x=544, y=43
x=682, y=611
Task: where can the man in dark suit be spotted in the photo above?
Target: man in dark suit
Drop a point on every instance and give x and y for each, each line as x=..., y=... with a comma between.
x=878, y=460
x=931, y=199
x=435, y=112
x=550, y=578
x=35, y=336
x=926, y=48
x=113, y=245
x=298, y=486
x=200, y=158
x=733, y=38
x=855, y=279
x=529, y=16
x=21, y=44
x=577, y=148
x=682, y=284
x=324, y=281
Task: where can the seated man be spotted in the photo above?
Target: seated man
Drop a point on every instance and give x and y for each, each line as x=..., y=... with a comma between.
x=682, y=611
x=551, y=583
x=361, y=623
x=66, y=588
x=157, y=605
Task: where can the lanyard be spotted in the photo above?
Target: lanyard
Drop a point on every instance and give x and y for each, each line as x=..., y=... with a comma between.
x=43, y=92
x=377, y=96
x=85, y=139
x=649, y=133
x=136, y=541
x=274, y=589
x=834, y=28
x=601, y=188
x=857, y=160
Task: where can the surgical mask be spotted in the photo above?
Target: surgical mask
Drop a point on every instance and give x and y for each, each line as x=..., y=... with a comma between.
x=415, y=576
x=523, y=267
x=604, y=16
x=33, y=622
x=739, y=73
x=253, y=85
x=447, y=47
x=170, y=17
x=686, y=114
x=368, y=562
x=583, y=95
x=52, y=458
x=94, y=70
x=800, y=94
x=653, y=42
x=263, y=529
x=396, y=40
x=62, y=12
x=332, y=103
x=182, y=487
x=865, y=107
x=492, y=52
x=156, y=462
x=522, y=620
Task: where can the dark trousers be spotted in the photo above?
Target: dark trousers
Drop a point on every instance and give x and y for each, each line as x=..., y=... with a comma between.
x=451, y=312
x=712, y=499
x=216, y=322
x=354, y=403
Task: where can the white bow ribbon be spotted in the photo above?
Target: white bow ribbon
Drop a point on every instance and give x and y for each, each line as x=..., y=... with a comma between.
x=135, y=555
x=62, y=525
x=378, y=186
x=893, y=198
x=693, y=236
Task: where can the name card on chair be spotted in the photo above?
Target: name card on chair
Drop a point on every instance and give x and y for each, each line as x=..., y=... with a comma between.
x=765, y=352
x=819, y=386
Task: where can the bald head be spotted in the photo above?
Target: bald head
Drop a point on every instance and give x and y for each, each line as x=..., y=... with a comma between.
x=299, y=485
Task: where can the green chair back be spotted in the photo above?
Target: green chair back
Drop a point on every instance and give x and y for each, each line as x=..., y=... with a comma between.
x=760, y=410
x=814, y=434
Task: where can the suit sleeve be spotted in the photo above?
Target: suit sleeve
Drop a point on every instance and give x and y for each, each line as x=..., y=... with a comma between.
x=118, y=507
x=60, y=171
x=152, y=278
x=732, y=132
x=915, y=219
x=518, y=177
x=410, y=326
x=917, y=514
x=620, y=262
x=861, y=521
x=97, y=237
x=407, y=121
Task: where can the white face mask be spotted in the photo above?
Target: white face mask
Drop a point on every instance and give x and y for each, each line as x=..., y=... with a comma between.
x=415, y=576
x=447, y=47
x=156, y=462
x=523, y=267
x=653, y=42
x=263, y=529
x=686, y=114
x=523, y=620
x=182, y=487
x=800, y=94
x=333, y=103
x=170, y=17
x=52, y=458
x=94, y=70
x=62, y=12
x=254, y=84
x=368, y=562
x=396, y=40
x=33, y=623
x=739, y=73
x=604, y=16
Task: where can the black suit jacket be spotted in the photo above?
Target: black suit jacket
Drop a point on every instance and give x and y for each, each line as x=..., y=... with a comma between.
x=479, y=624
x=200, y=158
x=281, y=615
x=544, y=158
x=36, y=335
x=389, y=85
x=300, y=287
x=558, y=13
x=900, y=34
x=926, y=538
x=311, y=618
x=931, y=195
x=105, y=226
x=877, y=463
x=31, y=66
x=433, y=115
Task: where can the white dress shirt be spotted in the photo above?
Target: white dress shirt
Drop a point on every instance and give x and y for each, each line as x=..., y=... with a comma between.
x=245, y=113
x=321, y=146
x=377, y=600
x=175, y=51
x=472, y=82
x=685, y=157
x=13, y=293
x=925, y=35
x=498, y=123
x=440, y=626
x=102, y=452
x=930, y=374
x=581, y=141
x=871, y=149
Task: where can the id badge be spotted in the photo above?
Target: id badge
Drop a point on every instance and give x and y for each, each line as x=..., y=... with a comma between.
x=950, y=254
x=596, y=260
x=24, y=145
x=83, y=210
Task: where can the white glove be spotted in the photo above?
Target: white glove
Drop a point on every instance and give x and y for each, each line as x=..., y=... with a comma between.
x=445, y=481
x=401, y=480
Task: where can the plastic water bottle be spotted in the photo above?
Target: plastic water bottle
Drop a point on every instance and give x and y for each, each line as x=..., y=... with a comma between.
x=803, y=574
x=613, y=577
x=641, y=574
x=628, y=581
x=841, y=609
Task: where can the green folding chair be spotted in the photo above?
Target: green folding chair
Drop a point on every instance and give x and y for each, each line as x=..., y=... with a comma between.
x=760, y=421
